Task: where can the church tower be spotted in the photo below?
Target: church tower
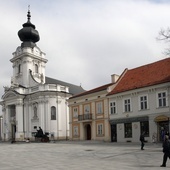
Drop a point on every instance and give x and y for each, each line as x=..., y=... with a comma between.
x=28, y=60
x=34, y=100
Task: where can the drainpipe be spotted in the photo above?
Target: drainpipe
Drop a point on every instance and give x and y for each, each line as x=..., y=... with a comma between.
x=66, y=114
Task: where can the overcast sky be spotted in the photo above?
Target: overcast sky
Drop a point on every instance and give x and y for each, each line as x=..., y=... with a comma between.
x=86, y=41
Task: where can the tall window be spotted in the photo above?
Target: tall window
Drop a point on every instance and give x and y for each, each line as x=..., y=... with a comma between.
x=36, y=68
x=87, y=109
x=75, y=112
x=19, y=68
x=99, y=107
x=162, y=99
x=144, y=127
x=143, y=102
x=128, y=130
x=75, y=131
x=100, y=129
x=53, y=113
x=113, y=107
x=127, y=107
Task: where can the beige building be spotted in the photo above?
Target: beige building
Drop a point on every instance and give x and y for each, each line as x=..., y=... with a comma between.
x=89, y=116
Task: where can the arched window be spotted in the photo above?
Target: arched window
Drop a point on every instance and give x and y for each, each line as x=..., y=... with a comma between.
x=19, y=68
x=53, y=113
x=35, y=112
x=36, y=68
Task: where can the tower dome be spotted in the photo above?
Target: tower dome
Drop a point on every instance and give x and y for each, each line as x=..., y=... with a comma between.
x=28, y=34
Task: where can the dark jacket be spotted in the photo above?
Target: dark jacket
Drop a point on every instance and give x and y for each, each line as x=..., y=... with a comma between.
x=166, y=146
x=142, y=138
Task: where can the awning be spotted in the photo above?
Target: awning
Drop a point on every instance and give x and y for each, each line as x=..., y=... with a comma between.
x=129, y=120
x=161, y=118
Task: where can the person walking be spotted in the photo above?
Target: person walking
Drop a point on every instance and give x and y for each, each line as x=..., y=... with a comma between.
x=142, y=139
x=166, y=150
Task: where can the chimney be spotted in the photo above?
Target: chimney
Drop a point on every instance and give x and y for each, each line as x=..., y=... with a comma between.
x=114, y=78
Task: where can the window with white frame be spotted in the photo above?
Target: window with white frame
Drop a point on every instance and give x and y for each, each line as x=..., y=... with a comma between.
x=75, y=131
x=100, y=129
x=99, y=107
x=87, y=109
x=75, y=112
x=162, y=99
x=143, y=103
x=127, y=105
x=112, y=107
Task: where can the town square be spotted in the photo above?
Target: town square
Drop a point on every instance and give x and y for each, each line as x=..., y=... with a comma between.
x=68, y=155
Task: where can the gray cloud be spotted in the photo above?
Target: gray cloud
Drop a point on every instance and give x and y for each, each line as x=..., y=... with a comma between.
x=86, y=41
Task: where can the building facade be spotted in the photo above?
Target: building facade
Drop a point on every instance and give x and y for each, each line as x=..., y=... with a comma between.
x=34, y=100
x=89, y=116
x=140, y=102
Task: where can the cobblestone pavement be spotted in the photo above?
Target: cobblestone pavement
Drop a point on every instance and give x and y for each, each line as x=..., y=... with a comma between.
x=69, y=155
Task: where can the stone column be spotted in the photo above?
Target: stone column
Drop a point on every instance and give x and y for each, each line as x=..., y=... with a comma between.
x=26, y=120
x=41, y=113
x=29, y=120
x=19, y=122
x=46, y=116
x=7, y=127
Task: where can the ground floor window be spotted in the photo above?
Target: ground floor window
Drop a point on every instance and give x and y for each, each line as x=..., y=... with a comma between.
x=75, y=131
x=128, y=130
x=99, y=129
x=144, y=128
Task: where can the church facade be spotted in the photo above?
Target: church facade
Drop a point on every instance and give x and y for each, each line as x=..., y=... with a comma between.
x=34, y=100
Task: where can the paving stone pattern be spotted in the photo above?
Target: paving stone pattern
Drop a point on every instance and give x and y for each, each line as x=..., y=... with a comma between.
x=69, y=155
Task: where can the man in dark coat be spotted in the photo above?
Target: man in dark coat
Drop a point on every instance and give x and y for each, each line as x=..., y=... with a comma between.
x=142, y=139
x=166, y=150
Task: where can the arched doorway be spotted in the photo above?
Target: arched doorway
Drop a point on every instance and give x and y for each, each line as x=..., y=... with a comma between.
x=88, y=132
x=163, y=125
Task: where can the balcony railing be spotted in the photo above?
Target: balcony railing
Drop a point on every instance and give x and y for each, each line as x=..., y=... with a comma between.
x=84, y=117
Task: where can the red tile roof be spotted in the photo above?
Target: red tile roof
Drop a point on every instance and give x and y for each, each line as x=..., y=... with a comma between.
x=101, y=88
x=147, y=75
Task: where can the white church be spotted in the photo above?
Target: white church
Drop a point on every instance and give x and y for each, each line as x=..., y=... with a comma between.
x=34, y=100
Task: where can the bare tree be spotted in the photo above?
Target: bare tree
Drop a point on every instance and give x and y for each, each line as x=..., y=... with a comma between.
x=164, y=35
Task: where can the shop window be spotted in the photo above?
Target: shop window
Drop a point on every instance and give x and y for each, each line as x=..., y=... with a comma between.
x=128, y=130
x=144, y=127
